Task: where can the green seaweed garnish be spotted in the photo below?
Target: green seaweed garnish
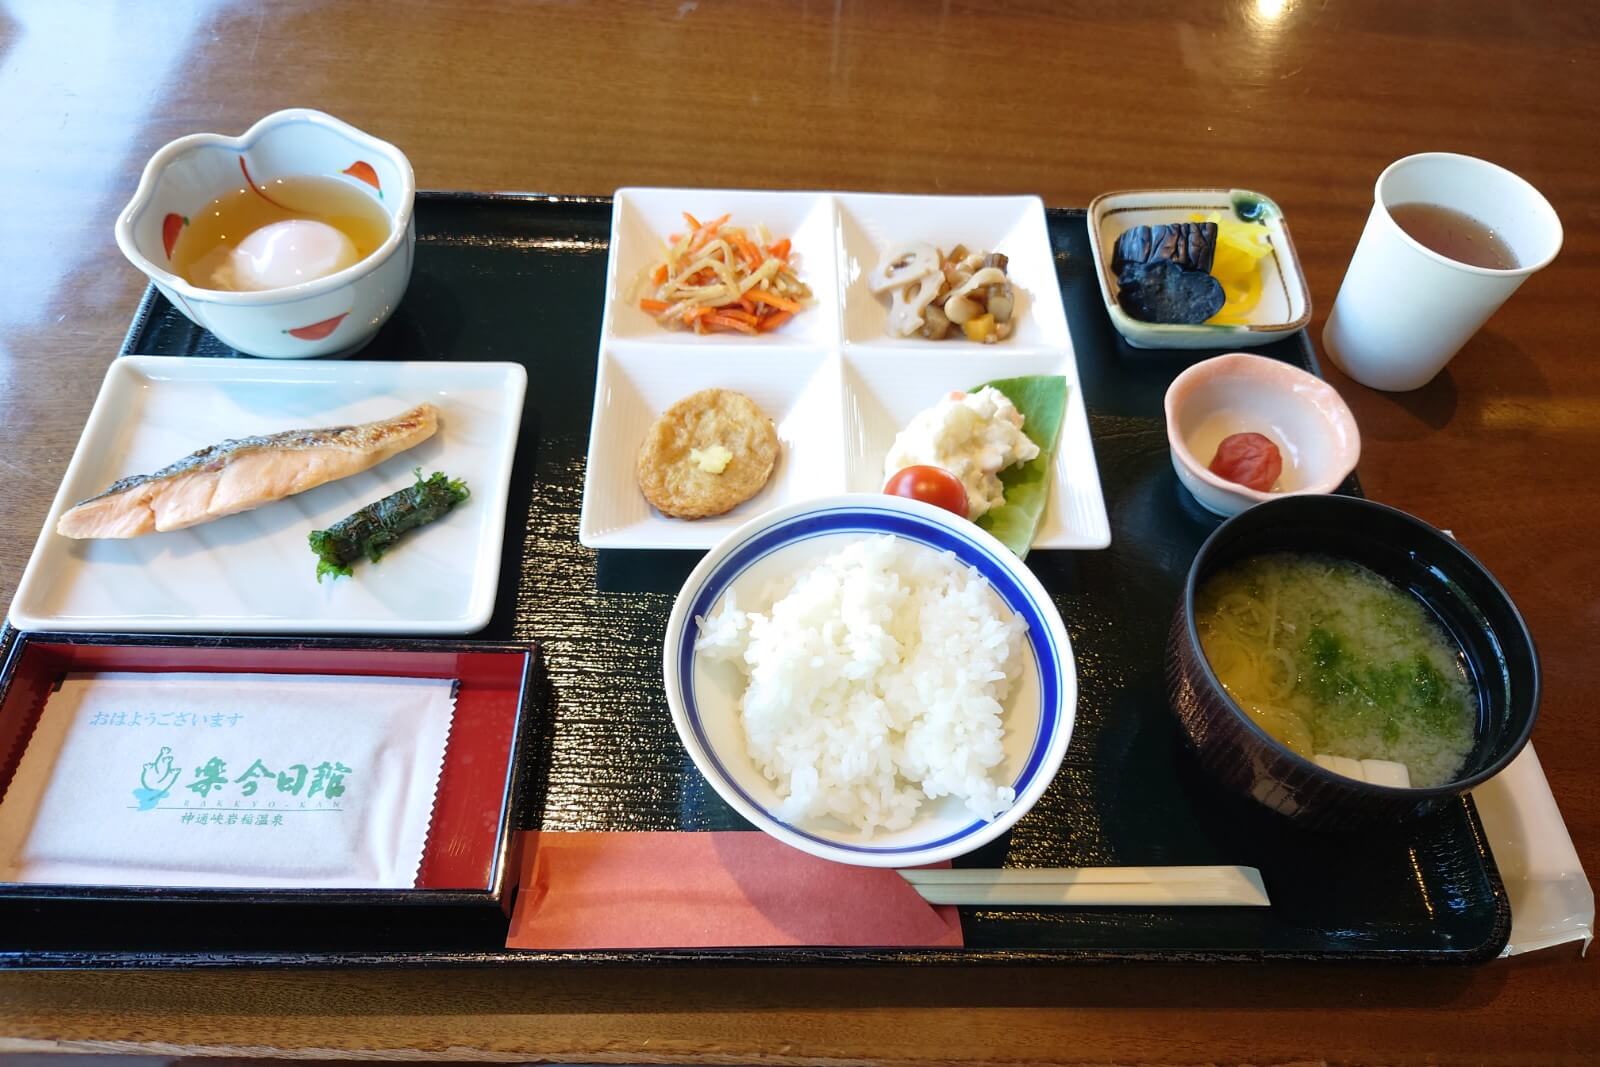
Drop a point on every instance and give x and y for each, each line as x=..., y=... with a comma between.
x=371, y=531
x=1413, y=689
x=1042, y=401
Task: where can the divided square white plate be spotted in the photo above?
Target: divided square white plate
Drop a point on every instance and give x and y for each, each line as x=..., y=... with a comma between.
x=837, y=386
x=253, y=572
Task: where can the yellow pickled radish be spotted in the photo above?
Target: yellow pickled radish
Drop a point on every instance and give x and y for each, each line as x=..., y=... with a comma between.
x=1241, y=285
x=1237, y=265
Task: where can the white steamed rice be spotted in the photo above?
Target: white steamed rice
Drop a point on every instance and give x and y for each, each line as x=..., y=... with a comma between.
x=877, y=678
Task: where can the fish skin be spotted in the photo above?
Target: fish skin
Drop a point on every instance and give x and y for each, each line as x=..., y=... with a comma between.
x=245, y=473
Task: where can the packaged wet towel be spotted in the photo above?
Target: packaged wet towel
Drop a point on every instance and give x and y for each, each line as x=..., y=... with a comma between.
x=228, y=780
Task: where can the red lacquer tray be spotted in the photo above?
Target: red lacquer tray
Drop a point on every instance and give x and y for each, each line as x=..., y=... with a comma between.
x=468, y=872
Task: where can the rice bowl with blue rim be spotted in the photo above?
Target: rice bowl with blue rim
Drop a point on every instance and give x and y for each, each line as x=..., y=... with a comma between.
x=704, y=694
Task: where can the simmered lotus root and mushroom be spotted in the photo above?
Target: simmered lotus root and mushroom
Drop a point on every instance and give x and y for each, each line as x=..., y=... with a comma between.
x=935, y=296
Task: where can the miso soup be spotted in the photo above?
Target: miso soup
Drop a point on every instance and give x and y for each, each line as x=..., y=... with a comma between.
x=1329, y=658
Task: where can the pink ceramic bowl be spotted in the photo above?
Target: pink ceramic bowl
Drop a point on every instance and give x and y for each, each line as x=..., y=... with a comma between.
x=1240, y=393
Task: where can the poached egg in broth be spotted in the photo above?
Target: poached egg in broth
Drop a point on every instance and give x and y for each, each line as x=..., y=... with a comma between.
x=285, y=253
x=288, y=231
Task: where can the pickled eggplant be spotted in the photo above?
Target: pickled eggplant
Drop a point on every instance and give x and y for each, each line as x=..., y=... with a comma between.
x=1164, y=292
x=1191, y=245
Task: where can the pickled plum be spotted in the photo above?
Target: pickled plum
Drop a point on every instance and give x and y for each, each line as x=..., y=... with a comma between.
x=1248, y=459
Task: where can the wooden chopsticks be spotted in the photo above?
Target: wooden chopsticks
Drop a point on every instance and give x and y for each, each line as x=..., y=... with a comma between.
x=1137, y=887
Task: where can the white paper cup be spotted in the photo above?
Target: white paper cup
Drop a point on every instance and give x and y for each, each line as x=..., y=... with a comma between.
x=1403, y=309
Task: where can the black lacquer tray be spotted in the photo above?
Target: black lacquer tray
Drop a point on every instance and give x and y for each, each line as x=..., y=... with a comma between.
x=501, y=277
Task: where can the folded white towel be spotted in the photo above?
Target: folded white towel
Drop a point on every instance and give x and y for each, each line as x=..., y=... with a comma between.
x=228, y=780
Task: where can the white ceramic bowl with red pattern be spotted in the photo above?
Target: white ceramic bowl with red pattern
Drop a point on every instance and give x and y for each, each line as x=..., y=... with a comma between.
x=331, y=315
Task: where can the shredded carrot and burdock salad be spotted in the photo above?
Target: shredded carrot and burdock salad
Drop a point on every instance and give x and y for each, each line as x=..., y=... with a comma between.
x=716, y=278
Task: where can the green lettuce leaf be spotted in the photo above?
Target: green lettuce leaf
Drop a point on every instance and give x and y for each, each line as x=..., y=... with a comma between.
x=1042, y=400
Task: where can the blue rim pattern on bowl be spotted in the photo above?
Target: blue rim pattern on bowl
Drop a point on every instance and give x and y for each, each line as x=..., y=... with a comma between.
x=857, y=519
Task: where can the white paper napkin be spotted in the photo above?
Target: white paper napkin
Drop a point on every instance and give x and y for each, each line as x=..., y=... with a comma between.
x=245, y=780
x=1551, y=901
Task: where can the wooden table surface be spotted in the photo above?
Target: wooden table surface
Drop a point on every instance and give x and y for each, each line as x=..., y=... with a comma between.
x=1304, y=99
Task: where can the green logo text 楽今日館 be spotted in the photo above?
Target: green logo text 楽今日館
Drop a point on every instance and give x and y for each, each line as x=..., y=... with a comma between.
x=303, y=781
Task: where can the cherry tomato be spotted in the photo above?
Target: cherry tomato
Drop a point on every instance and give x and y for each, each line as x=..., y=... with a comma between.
x=1249, y=459
x=932, y=485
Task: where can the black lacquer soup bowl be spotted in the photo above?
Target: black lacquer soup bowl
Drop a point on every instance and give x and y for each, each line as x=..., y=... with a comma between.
x=1456, y=589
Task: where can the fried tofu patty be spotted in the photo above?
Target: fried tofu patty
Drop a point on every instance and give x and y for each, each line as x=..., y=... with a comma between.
x=675, y=483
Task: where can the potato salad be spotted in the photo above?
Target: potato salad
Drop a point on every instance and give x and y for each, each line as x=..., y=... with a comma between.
x=974, y=436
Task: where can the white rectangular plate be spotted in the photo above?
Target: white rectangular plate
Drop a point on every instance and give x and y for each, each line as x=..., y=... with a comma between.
x=835, y=384
x=254, y=572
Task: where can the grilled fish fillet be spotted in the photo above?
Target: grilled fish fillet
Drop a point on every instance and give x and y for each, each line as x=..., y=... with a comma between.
x=235, y=476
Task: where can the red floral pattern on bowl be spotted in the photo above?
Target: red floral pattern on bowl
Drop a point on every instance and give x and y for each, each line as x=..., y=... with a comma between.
x=317, y=330
x=361, y=170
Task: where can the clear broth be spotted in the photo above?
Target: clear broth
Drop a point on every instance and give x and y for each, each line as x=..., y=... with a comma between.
x=1330, y=658
x=211, y=234
x=1454, y=235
